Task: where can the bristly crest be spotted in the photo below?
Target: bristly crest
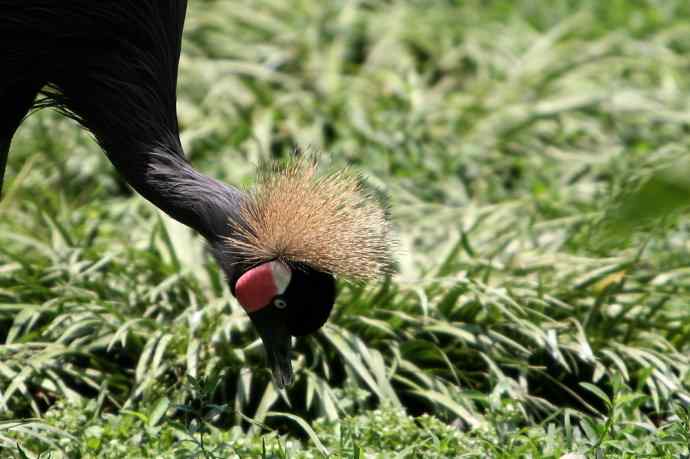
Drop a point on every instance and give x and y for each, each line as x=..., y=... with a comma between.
x=328, y=222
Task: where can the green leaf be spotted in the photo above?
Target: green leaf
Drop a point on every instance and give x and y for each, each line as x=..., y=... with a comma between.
x=598, y=392
x=450, y=404
x=305, y=426
x=158, y=411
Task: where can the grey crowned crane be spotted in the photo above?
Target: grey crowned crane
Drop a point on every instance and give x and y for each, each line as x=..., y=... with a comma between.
x=112, y=66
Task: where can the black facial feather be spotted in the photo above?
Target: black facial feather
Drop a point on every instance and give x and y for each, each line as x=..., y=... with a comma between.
x=310, y=298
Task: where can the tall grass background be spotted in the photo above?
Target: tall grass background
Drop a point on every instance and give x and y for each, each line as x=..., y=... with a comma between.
x=534, y=159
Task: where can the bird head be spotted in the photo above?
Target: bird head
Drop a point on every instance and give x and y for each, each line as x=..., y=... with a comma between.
x=296, y=231
x=283, y=301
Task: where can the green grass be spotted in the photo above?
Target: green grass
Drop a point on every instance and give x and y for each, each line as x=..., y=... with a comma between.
x=534, y=159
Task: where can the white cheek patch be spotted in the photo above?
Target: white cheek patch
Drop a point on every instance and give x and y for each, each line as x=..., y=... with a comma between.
x=281, y=276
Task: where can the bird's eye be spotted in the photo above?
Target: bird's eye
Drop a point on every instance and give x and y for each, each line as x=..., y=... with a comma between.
x=280, y=303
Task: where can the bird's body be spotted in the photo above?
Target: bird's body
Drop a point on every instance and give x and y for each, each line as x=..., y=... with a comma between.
x=112, y=66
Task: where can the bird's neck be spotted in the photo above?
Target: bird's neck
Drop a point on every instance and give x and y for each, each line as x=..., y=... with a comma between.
x=163, y=176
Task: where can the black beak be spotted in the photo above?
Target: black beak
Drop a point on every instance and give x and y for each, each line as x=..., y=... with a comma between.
x=277, y=341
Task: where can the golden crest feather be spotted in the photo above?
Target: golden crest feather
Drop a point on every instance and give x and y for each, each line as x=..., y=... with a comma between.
x=328, y=222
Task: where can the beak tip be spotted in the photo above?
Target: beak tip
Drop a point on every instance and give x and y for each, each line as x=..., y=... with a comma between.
x=277, y=343
x=281, y=369
x=283, y=380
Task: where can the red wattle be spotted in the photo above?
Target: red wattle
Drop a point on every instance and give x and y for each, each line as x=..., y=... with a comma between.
x=256, y=288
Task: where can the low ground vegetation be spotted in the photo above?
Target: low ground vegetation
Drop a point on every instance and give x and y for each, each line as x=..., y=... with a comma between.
x=533, y=160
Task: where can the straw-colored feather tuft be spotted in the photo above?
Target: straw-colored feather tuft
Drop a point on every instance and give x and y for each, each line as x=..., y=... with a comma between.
x=328, y=222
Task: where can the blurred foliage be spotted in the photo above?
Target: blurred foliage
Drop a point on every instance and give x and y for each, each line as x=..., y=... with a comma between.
x=531, y=158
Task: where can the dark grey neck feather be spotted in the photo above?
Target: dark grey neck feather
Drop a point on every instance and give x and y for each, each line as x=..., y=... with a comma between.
x=162, y=175
x=168, y=180
x=114, y=70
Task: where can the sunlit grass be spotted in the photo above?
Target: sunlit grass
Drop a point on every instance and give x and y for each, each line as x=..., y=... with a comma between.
x=541, y=303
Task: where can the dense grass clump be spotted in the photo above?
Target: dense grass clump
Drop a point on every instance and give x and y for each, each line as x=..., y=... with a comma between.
x=534, y=160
